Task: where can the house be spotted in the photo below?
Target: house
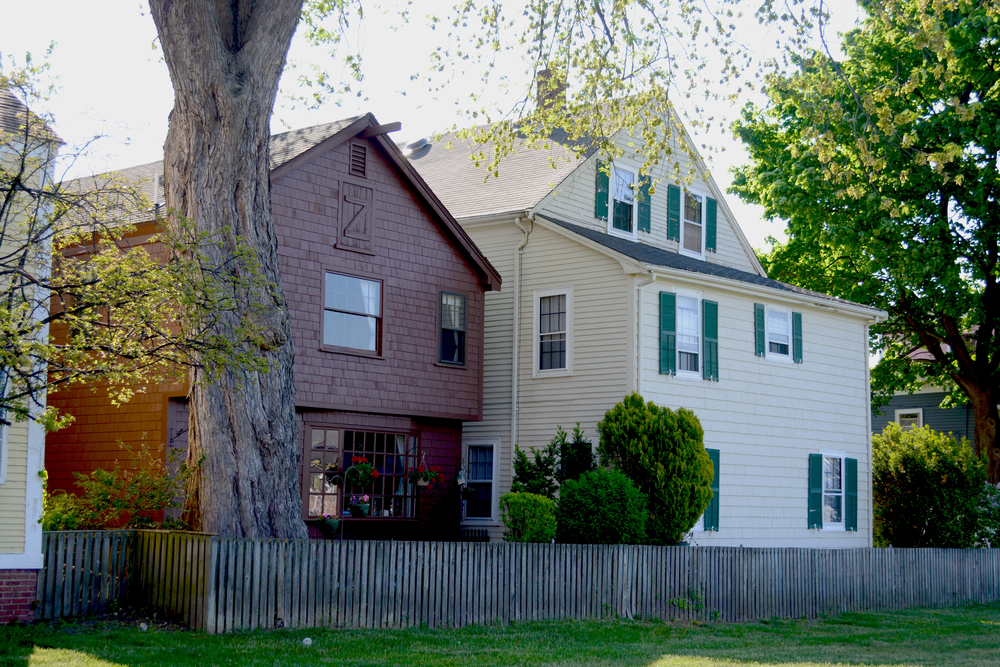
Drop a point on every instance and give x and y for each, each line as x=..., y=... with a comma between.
x=614, y=286
x=386, y=293
x=22, y=441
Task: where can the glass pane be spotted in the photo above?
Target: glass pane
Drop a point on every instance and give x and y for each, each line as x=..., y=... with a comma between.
x=481, y=463
x=777, y=333
x=552, y=314
x=354, y=331
x=318, y=438
x=831, y=509
x=354, y=295
x=688, y=338
x=316, y=483
x=330, y=505
x=622, y=218
x=552, y=352
x=692, y=237
x=692, y=208
x=909, y=420
x=453, y=311
x=623, y=186
x=479, y=499
x=778, y=348
x=333, y=440
x=831, y=474
x=452, y=346
x=315, y=505
x=687, y=361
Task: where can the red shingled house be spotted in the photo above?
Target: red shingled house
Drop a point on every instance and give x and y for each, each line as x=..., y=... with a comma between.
x=386, y=293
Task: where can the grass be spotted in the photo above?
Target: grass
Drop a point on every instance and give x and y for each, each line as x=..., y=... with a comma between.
x=961, y=636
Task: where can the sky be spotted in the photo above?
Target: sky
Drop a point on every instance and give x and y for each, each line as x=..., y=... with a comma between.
x=113, y=82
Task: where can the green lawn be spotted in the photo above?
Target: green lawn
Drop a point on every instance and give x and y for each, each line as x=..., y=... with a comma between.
x=964, y=636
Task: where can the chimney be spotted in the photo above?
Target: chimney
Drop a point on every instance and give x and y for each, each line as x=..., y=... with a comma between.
x=551, y=88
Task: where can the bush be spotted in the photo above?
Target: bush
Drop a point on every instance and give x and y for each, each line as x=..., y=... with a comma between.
x=927, y=488
x=536, y=476
x=576, y=457
x=529, y=517
x=662, y=452
x=602, y=507
x=988, y=534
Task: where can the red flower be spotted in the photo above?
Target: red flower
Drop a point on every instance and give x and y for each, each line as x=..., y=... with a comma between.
x=374, y=473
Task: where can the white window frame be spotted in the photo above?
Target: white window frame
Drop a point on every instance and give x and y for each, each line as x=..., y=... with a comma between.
x=918, y=411
x=379, y=319
x=537, y=296
x=612, y=230
x=842, y=525
x=494, y=442
x=704, y=205
x=774, y=356
x=689, y=375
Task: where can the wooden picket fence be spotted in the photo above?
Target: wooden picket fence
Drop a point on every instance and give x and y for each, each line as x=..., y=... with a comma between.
x=219, y=585
x=85, y=572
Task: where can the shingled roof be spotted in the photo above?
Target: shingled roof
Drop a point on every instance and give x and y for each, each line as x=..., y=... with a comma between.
x=13, y=115
x=526, y=176
x=651, y=255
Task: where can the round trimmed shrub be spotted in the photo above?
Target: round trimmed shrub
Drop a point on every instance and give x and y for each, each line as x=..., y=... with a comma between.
x=529, y=517
x=601, y=507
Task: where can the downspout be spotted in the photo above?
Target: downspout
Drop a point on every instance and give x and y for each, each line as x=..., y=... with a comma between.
x=638, y=333
x=868, y=423
x=516, y=337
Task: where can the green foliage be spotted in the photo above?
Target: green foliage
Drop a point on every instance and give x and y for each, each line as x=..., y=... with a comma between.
x=881, y=160
x=122, y=497
x=663, y=453
x=601, y=507
x=536, y=475
x=927, y=488
x=576, y=457
x=528, y=517
x=988, y=535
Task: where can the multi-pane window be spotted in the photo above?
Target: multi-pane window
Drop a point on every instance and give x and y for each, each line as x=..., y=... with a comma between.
x=332, y=452
x=353, y=312
x=688, y=334
x=478, y=496
x=552, y=322
x=693, y=215
x=833, y=490
x=778, y=334
x=452, y=328
x=624, y=200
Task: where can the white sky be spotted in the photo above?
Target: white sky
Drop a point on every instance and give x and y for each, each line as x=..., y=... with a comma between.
x=113, y=82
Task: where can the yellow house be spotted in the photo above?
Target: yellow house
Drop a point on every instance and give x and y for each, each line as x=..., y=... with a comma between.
x=21, y=440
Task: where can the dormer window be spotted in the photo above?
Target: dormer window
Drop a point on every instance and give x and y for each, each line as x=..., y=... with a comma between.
x=693, y=223
x=624, y=201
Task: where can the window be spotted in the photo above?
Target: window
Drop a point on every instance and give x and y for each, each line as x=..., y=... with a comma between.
x=833, y=491
x=687, y=335
x=777, y=333
x=330, y=454
x=910, y=419
x=479, y=496
x=353, y=313
x=624, y=200
x=691, y=227
x=553, y=332
x=452, y=329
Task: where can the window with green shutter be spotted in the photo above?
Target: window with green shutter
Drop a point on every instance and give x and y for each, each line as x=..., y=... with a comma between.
x=797, y=337
x=673, y=213
x=602, y=189
x=711, y=516
x=851, y=497
x=711, y=214
x=668, y=333
x=833, y=492
x=760, y=334
x=645, y=205
x=710, y=340
x=815, y=519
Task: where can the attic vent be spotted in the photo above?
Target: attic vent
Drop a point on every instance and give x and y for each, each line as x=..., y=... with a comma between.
x=358, y=160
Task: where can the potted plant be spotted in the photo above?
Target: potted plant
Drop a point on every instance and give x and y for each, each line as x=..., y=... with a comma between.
x=361, y=472
x=424, y=476
x=359, y=506
x=328, y=525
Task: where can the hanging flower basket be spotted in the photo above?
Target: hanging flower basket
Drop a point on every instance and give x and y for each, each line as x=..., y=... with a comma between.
x=328, y=525
x=360, y=506
x=424, y=475
x=361, y=472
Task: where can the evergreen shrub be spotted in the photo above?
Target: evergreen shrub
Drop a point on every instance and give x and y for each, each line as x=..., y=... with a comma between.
x=602, y=507
x=528, y=517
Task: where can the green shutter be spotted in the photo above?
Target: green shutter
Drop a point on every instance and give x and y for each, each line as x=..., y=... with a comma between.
x=760, y=342
x=797, y=337
x=851, y=497
x=673, y=213
x=711, y=213
x=668, y=333
x=815, y=490
x=603, y=188
x=645, y=206
x=712, y=511
x=710, y=340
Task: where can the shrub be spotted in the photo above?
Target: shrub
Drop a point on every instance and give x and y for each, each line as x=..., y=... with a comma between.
x=927, y=489
x=529, y=517
x=602, y=507
x=536, y=476
x=662, y=452
x=988, y=534
x=575, y=457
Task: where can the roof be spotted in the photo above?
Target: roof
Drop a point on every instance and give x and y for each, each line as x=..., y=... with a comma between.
x=526, y=176
x=290, y=149
x=654, y=256
x=13, y=115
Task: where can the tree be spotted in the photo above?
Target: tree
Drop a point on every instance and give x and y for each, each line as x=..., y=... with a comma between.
x=885, y=165
x=663, y=453
x=926, y=489
x=119, y=317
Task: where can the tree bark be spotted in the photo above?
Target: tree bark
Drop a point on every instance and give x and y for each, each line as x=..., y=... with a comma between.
x=225, y=59
x=985, y=414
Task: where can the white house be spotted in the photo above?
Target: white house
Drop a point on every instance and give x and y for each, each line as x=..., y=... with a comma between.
x=607, y=292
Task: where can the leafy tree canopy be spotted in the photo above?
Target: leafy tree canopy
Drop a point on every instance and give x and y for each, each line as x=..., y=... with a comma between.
x=884, y=163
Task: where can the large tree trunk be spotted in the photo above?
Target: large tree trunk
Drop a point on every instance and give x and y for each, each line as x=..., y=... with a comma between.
x=985, y=414
x=225, y=59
